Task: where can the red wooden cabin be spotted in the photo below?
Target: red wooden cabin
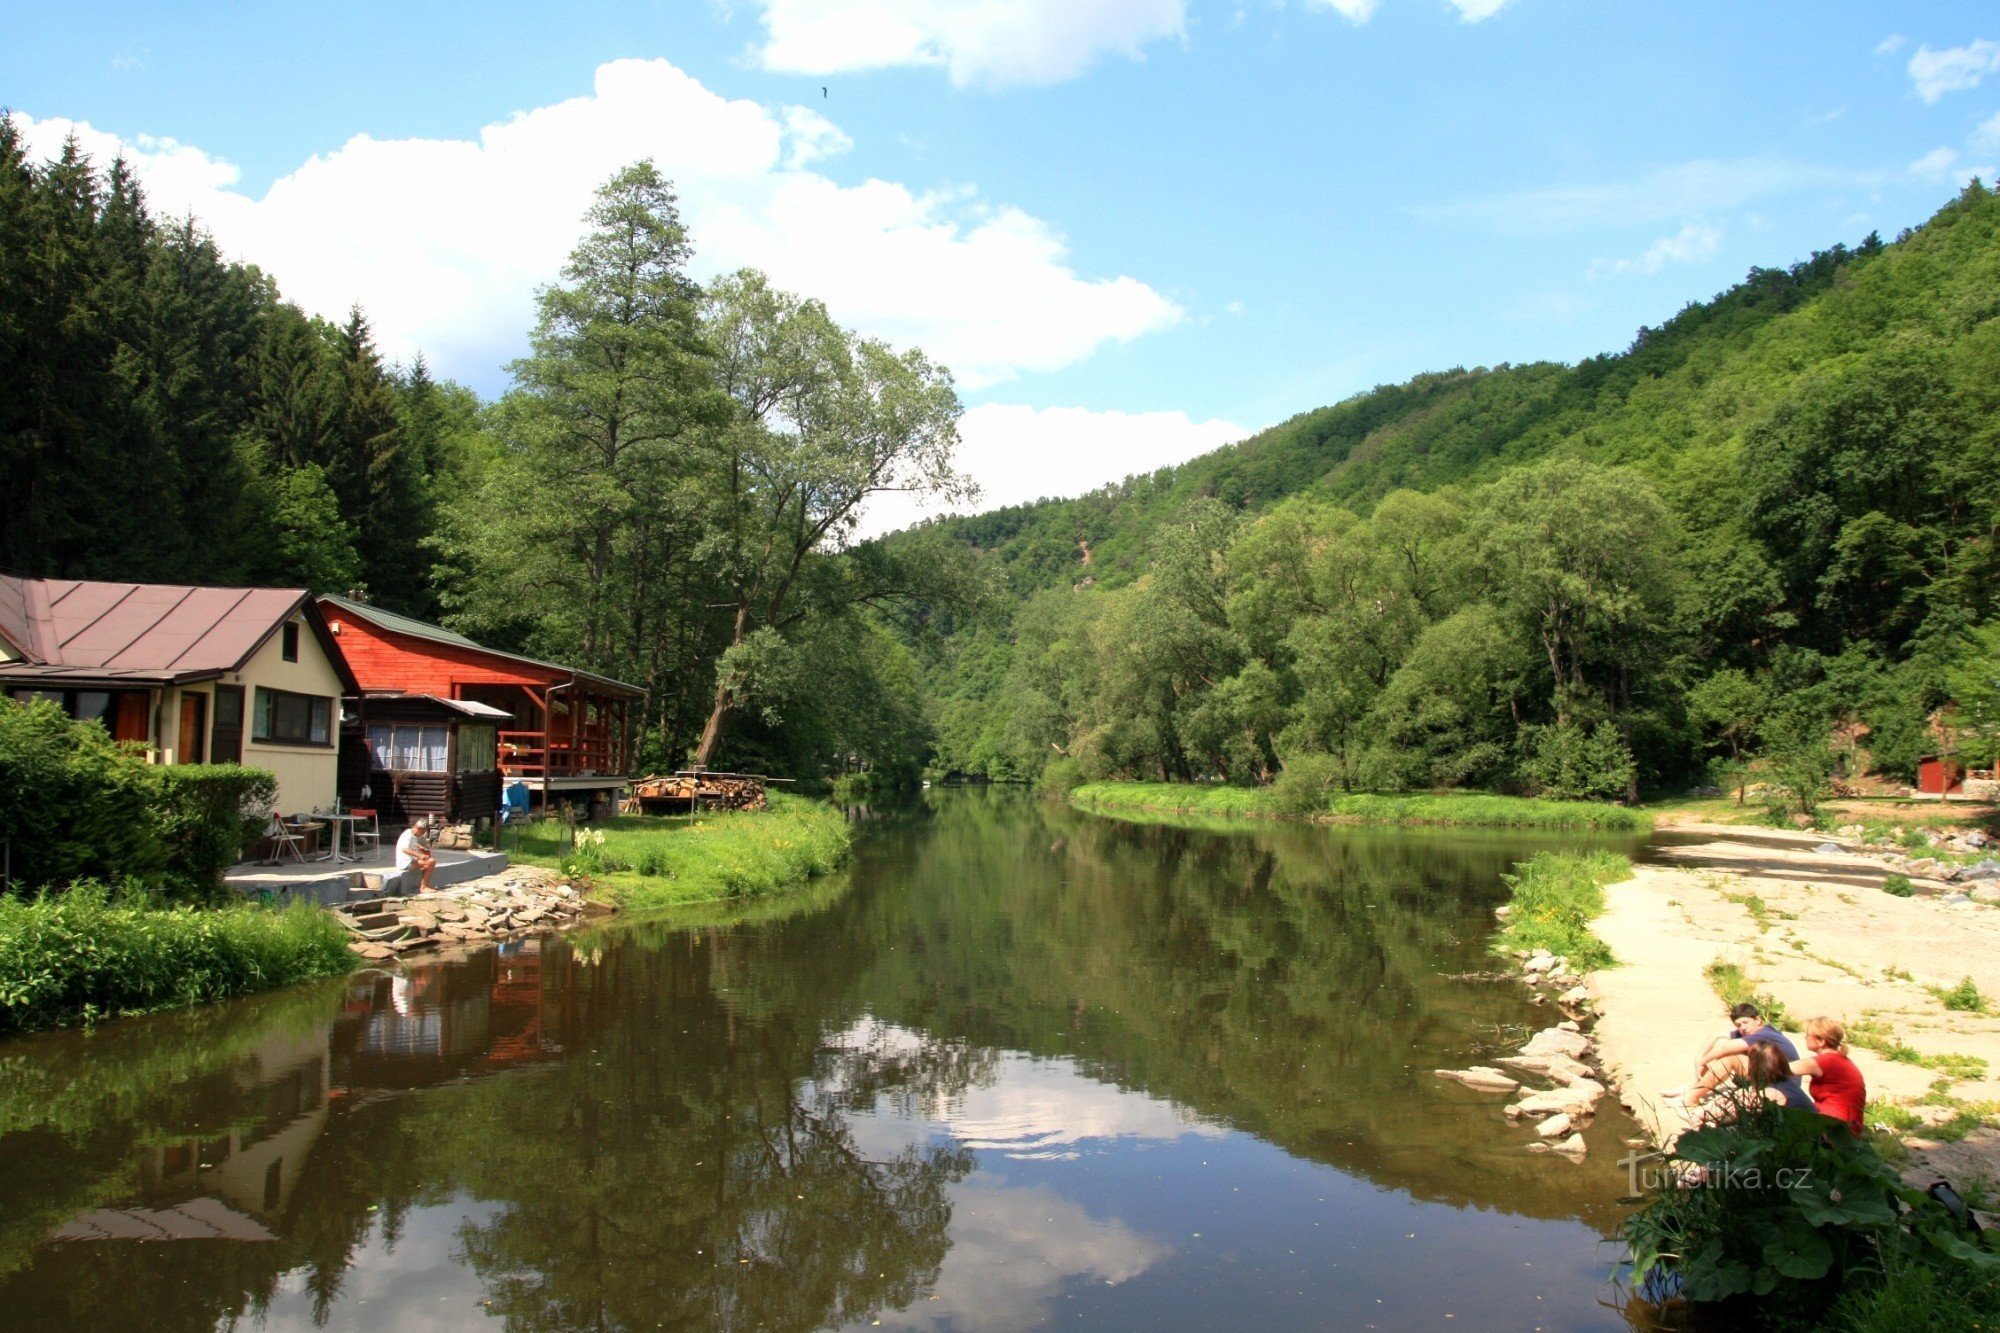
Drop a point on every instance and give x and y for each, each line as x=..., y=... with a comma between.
x=569, y=733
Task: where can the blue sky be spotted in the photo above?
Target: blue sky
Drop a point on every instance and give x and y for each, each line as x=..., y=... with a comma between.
x=1135, y=228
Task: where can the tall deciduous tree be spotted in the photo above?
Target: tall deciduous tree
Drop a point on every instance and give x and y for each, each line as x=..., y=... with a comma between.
x=822, y=420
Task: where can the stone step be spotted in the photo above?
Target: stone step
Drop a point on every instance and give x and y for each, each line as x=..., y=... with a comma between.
x=372, y=921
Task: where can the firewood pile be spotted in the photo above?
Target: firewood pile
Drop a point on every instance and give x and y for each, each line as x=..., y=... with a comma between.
x=701, y=791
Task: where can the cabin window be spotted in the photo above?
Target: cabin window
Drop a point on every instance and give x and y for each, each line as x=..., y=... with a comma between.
x=293, y=719
x=126, y=714
x=289, y=645
x=407, y=748
x=477, y=751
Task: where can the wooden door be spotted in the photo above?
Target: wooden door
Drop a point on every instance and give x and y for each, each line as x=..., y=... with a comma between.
x=194, y=727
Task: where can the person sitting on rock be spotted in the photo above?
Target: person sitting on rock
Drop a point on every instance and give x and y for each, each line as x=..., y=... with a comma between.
x=1726, y=1057
x=413, y=849
x=1838, y=1090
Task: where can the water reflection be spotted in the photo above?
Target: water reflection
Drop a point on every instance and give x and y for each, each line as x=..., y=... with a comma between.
x=1028, y=1064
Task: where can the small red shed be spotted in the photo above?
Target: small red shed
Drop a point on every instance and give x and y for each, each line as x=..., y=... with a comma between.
x=1939, y=777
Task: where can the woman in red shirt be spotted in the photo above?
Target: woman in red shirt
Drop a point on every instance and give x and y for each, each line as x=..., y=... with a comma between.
x=1837, y=1088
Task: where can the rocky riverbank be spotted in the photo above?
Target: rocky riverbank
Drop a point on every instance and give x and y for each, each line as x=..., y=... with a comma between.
x=1556, y=1057
x=519, y=901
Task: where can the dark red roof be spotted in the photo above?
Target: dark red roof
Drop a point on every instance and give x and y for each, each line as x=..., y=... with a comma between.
x=69, y=629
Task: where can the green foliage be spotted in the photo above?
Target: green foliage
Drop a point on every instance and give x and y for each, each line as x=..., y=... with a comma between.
x=204, y=813
x=76, y=806
x=94, y=953
x=1305, y=785
x=1733, y=985
x=1898, y=886
x=1567, y=763
x=1060, y=778
x=643, y=862
x=1964, y=998
x=1784, y=1206
x=1554, y=897
x=73, y=805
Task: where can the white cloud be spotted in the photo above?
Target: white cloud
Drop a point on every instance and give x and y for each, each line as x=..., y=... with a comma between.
x=1695, y=243
x=1954, y=69
x=985, y=42
x=1019, y=453
x=1354, y=11
x=1701, y=187
x=1891, y=44
x=444, y=241
x=1934, y=165
x=1988, y=133
x=1472, y=11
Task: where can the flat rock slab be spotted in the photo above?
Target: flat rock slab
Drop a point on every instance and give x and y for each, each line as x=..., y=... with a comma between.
x=1480, y=1079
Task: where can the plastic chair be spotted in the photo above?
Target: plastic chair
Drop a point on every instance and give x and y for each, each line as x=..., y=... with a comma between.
x=283, y=835
x=372, y=835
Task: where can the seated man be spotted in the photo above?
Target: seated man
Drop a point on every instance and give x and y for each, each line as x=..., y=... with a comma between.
x=1727, y=1056
x=413, y=849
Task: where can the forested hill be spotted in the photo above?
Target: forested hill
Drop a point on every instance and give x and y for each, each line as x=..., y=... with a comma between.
x=1804, y=469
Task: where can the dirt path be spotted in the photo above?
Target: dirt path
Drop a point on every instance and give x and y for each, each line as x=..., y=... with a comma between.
x=1814, y=931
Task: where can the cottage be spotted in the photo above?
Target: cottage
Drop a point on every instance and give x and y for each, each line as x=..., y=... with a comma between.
x=195, y=675
x=442, y=721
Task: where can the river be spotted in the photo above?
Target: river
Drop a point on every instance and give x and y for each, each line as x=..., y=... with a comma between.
x=1017, y=1065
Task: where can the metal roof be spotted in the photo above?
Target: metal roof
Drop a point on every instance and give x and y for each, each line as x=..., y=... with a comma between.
x=137, y=632
x=421, y=629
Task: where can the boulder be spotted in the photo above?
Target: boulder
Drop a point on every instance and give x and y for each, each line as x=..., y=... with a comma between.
x=1554, y=1127
x=1575, y=996
x=1829, y=849
x=1572, y=1147
x=1558, y=1068
x=1554, y=1041
x=1539, y=961
x=1578, y=1099
x=1480, y=1079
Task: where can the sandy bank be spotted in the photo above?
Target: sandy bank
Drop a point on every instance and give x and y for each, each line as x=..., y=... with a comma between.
x=1815, y=931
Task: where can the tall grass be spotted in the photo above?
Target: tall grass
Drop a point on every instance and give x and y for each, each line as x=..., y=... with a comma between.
x=1469, y=810
x=648, y=861
x=1555, y=896
x=94, y=952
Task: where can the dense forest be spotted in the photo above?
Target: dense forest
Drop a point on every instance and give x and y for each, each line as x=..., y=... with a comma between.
x=666, y=494
x=1766, y=530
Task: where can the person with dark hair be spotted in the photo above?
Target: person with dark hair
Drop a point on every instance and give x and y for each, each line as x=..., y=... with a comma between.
x=1727, y=1056
x=1768, y=1075
x=1838, y=1089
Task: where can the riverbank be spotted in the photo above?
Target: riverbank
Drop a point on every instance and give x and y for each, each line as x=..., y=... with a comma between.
x=644, y=862
x=1457, y=809
x=1805, y=925
x=90, y=954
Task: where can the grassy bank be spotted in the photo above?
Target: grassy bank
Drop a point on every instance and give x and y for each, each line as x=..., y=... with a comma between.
x=647, y=861
x=1554, y=896
x=1467, y=810
x=92, y=953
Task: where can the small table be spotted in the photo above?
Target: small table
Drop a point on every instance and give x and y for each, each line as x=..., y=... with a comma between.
x=336, y=821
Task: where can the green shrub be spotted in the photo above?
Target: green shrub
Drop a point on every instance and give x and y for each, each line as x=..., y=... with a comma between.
x=1898, y=886
x=77, y=806
x=94, y=952
x=1964, y=997
x=73, y=804
x=1555, y=896
x=653, y=863
x=1785, y=1206
x=203, y=812
x=1567, y=763
x=1303, y=785
x=1060, y=777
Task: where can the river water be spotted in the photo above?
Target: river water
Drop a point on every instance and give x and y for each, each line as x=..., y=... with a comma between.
x=1018, y=1065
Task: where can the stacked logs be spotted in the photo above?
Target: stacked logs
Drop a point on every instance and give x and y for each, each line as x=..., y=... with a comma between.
x=701, y=791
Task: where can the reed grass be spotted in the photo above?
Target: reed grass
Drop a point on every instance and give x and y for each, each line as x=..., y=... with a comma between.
x=1553, y=897
x=650, y=861
x=1465, y=810
x=94, y=952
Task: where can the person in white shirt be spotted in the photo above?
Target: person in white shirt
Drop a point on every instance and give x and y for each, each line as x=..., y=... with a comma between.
x=413, y=849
